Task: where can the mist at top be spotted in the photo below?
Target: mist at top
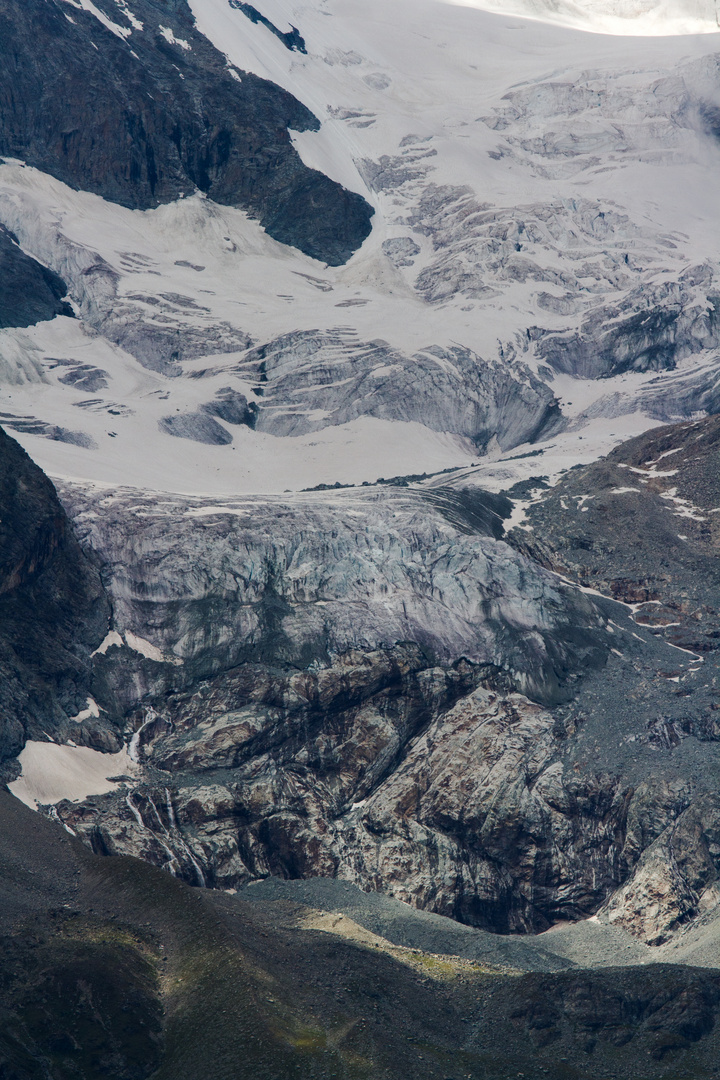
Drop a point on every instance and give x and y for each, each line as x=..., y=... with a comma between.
x=640, y=18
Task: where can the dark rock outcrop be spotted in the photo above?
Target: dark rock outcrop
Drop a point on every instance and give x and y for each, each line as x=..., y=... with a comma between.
x=143, y=110
x=291, y=39
x=53, y=611
x=30, y=292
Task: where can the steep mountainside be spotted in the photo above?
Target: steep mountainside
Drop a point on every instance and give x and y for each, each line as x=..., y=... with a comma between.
x=151, y=111
x=53, y=611
x=361, y=654
x=370, y=685
x=111, y=967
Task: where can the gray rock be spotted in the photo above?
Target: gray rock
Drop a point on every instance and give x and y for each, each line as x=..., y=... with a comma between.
x=53, y=613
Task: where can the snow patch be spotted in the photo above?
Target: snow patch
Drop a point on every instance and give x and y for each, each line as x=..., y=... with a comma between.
x=169, y=36
x=110, y=639
x=145, y=648
x=92, y=709
x=51, y=773
x=123, y=32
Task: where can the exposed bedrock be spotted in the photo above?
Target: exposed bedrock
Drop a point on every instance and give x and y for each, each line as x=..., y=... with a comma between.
x=369, y=685
x=53, y=612
x=642, y=526
x=678, y=877
x=30, y=292
x=142, y=109
x=330, y=686
x=400, y=776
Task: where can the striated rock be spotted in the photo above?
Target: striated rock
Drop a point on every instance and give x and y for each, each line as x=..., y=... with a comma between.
x=480, y=823
x=319, y=721
x=368, y=685
x=677, y=877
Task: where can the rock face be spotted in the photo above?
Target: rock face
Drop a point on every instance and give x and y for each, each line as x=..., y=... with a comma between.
x=53, y=612
x=111, y=967
x=30, y=292
x=677, y=878
x=167, y=117
x=329, y=685
x=641, y=526
x=369, y=685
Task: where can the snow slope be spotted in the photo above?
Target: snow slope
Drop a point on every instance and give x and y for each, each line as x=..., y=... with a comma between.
x=532, y=184
x=622, y=17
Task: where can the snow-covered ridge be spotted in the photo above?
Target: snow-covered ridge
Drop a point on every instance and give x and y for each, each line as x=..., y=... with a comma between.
x=640, y=18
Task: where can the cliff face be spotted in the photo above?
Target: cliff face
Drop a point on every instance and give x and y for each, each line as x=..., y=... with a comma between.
x=53, y=612
x=30, y=292
x=642, y=526
x=369, y=685
x=141, y=109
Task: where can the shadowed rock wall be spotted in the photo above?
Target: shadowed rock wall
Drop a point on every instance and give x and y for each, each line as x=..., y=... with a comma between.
x=144, y=110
